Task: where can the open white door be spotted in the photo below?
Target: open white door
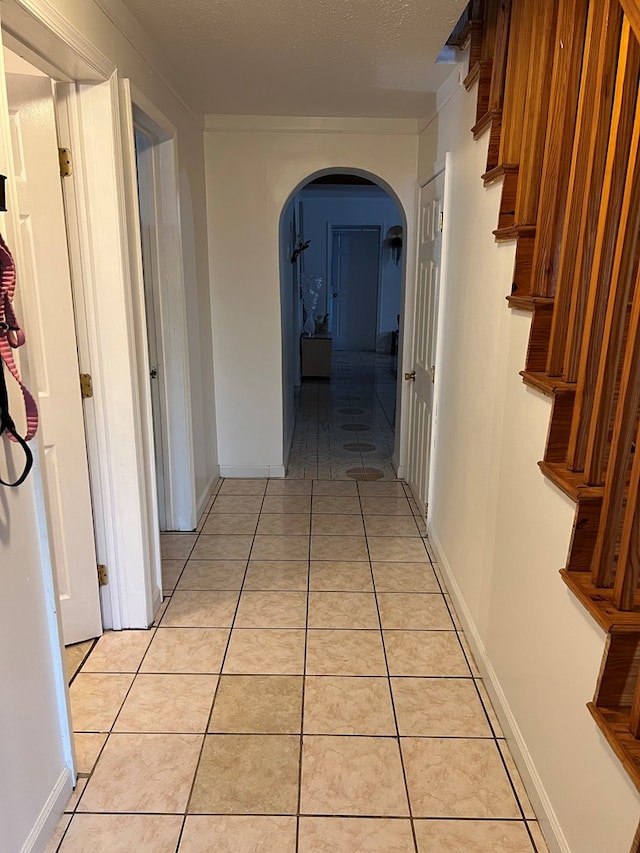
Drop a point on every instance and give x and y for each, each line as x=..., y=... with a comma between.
x=46, y=285
x=423, y=340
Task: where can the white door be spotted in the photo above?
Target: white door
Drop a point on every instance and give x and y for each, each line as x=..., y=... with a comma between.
x=51, y=339
x=355, y=272
x=423, y=342
x=147, y=212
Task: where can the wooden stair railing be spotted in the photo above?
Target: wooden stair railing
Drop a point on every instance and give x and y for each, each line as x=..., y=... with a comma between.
x=562, y=108
x=591, y=403
x=585, y=181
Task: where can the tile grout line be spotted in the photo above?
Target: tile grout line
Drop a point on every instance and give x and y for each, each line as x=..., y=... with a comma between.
x=304, y=673
x=391, y=696
x=222, y=662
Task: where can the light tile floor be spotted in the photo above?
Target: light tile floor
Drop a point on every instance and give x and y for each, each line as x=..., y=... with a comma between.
x=306, y=687
x=345, y=425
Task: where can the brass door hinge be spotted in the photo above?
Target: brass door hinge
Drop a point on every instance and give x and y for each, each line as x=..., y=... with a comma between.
x=86, y=385
x=103, y=577
x=66, y=166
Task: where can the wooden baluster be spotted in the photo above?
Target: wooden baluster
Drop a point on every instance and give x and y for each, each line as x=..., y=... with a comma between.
x=493, y=115
x=544, y=13
x=499, y=70
x=567, y=66
x=602, y=564
x=477, y=32
x=584, y=188
x=628, y=571
x=516, y=83
x=617, y=309
x=622, y=126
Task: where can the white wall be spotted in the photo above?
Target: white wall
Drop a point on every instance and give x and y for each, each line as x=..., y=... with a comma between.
x=34, y=777
x=253, y=165
x=324, y=208
x=501, y=530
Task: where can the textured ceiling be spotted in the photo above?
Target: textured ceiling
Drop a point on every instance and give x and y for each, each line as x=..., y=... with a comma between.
x=361, y=58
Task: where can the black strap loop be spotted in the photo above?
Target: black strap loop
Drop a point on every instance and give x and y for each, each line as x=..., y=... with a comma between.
x=7, y=425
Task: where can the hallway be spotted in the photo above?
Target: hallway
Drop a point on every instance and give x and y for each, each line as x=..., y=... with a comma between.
x=345, y=425
x=306, y=687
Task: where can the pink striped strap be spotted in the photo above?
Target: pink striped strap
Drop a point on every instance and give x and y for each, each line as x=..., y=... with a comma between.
x=12, y=336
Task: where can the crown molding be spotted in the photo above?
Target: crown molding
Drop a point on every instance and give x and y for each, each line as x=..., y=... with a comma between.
x=37, y=31
x=130, y=28
x=309, y=124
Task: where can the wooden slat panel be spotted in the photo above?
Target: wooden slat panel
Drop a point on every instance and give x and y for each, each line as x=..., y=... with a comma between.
x=585, y=184
x=523, y=266
x=493, y=117
x=622, y=127
x=585, y=530
x=476, y=33
x=634, y=720
x=567, y=66
x=539, y=336
x=619, y=674
x=628, y=573
x=490, y=19
x=484, y=84
x=500, y=53
x=619, y=292
x=544, y=14
x=617, y=473
x=558, y=436
x=521, y=35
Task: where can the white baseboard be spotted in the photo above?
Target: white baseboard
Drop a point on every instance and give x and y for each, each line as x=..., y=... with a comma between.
x=156, y=601
x=207, y=492
x=242, y=471
x=50, y=815
x=540, y=801
x=400, y=470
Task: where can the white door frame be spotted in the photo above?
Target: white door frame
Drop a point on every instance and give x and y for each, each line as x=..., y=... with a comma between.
x=101, y=263
x=180, y=509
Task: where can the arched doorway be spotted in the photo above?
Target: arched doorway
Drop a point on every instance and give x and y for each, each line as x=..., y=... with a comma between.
x=342, y=273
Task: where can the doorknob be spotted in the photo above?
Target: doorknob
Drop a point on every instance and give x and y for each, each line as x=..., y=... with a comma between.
x=410, y=376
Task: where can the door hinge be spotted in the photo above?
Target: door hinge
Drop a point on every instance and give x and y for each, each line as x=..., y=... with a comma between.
x=86, y=385
x=103, y=575
x=64, y=158
x=433, y=373
x=441, y=221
